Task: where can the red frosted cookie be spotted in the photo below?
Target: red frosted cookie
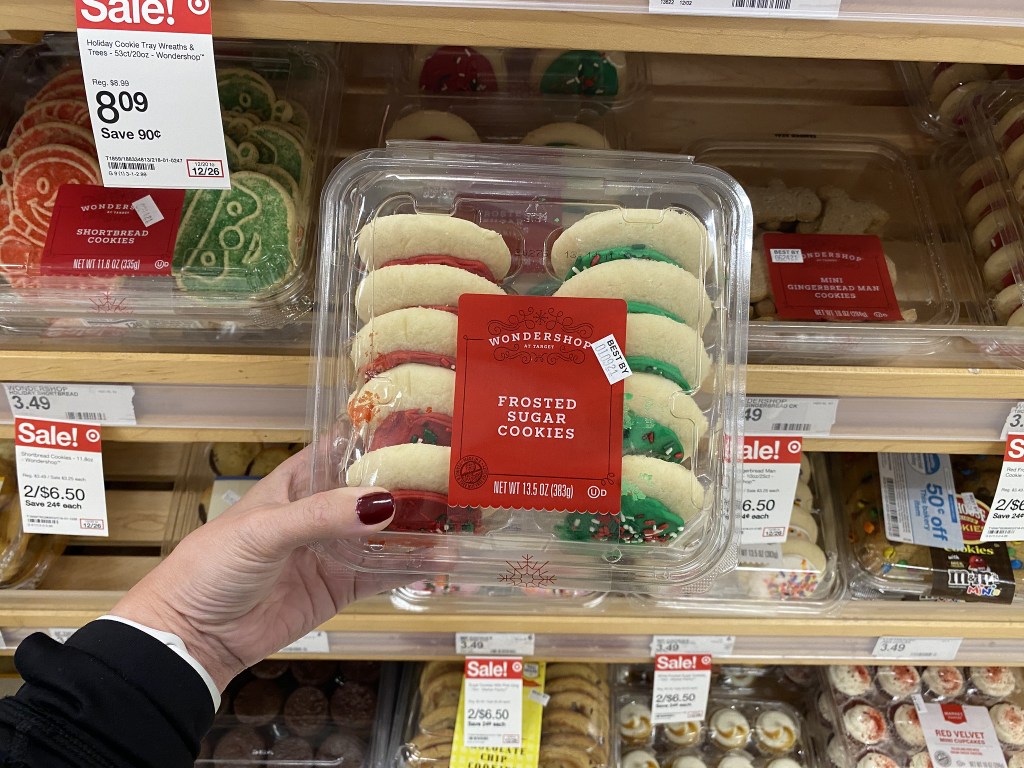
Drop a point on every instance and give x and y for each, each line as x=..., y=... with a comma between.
x=74, y=111
x=69, y=91
x=458, y=69
x=64, y=78
x=42, y=134
x=34, y=182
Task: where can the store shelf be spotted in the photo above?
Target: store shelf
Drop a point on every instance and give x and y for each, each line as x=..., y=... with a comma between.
x=616, y=631
x=988, y=38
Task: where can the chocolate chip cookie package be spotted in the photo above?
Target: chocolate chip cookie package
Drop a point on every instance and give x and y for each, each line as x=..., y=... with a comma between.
x=466, y=297
x=79, y=259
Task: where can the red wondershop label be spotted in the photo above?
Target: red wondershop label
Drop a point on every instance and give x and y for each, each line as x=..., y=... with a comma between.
x=187, y=16
x=830, y=277
x=96, y=232
x=536, y=423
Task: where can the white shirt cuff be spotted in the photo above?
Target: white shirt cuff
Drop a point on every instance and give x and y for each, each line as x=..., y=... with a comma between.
x=176, y=644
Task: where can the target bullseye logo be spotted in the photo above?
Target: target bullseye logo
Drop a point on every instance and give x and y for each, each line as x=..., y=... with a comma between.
x=92, y=435
x=795, y=446
x=199, y=7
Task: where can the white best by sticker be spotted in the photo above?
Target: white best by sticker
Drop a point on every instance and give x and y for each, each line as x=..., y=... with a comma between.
x=1006, y=518
x=612, y=360
x=110, y=404
x=148, y=210
x=60, y=477
x=771, y=469
x=152, y=91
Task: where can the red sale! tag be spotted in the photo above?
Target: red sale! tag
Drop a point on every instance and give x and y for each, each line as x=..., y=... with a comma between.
x=537, y=424
x=186, y=16
x=830, y=277
x=681, y=685
x=60, y=477
x=771, y=469
x=1006, y=516
x=492, y=702
x=99, y=232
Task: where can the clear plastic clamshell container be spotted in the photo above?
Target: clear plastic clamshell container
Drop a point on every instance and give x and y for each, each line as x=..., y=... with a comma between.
x=313, y=714
x=24, y=557
x=386, y=344
x=939, y=93
x=753, y=730
x=879, y=567
x=876, y=722
x=800, y=575
x=843, y=187
x=575, y=727
x=240, y=258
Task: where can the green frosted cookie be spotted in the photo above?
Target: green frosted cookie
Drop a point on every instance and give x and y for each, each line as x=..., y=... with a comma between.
x=236, y=240
x=586, y=73
x=639, y=251
x=278, y=147
x=282, y=177
x=242, y=156
x=242, y=90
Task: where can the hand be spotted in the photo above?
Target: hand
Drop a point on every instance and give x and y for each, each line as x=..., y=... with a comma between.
x=246, y=584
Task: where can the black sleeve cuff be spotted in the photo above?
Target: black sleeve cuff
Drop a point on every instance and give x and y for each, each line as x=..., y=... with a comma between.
x=112, y=694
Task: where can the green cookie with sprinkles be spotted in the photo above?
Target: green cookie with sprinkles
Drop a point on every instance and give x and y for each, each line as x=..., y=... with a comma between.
x=236, y=240
x=582, y=73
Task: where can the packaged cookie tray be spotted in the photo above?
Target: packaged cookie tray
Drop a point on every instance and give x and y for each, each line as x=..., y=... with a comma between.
x=217, y=476
x=879, y=567
x=775, y=682
x=939, y=92
x=501, y=119
x=738, y=732
x=443, y=594
x=843, y=187
x=574, y=725
x=395, y=221
x=877, y=725
x=241, y=256
x=802, y=574
x=609, y=78
x=304, y=713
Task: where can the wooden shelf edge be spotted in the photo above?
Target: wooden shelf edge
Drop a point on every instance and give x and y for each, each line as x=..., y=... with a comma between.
x=191, y=435
x=383, y=23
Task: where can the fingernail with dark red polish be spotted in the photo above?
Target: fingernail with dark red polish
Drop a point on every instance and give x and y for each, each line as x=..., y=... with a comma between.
x=374, y=508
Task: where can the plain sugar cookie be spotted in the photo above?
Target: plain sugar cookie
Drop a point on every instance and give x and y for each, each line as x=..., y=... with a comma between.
x=432, y=125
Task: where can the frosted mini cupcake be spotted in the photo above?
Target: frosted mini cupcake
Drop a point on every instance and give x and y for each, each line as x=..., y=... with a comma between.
x=685, y=734
x=775, y=732
x=899, y=682
x=921, y=760
x=635, y=723
x=1009, y=722
x=688, y=761
x=865, y=724
x=850, y=679
x=908, y=726
x=729, y=729
x=997, y=682
x=877, y=760
x=836, y=752
x=737, y=760
x=640, y=758
x=784, y=762
x=944, y=682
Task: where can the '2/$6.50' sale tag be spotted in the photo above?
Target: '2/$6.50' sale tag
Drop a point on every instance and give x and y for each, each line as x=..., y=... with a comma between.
x=152, y=90
x=1006, y=517
x=681, y=685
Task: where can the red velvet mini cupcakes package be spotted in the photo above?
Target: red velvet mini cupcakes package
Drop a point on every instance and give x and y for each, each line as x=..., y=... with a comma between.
x=878, y=725
x=536, y=351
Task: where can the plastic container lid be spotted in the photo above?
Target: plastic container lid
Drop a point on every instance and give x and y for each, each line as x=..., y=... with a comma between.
x=528, y=197
x=277, y=146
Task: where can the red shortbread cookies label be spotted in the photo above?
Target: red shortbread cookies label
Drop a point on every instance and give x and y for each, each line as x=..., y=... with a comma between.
x=537, y=424
x=830, y=277
x=105, y=231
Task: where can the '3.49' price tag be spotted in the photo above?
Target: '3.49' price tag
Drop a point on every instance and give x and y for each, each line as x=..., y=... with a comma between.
x=60, y=477
x=146, y=65
x=493, y=702
x=681, y=685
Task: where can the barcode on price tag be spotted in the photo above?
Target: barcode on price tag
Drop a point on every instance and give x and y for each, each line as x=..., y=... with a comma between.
x=714, y=645
x=1006, y=517
x=917, y=648
x=494, y=644
x=314, y=642
x=788, y=9
x=681, y=685
x=94, y=403
x=612, y=360
x=804, y=416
